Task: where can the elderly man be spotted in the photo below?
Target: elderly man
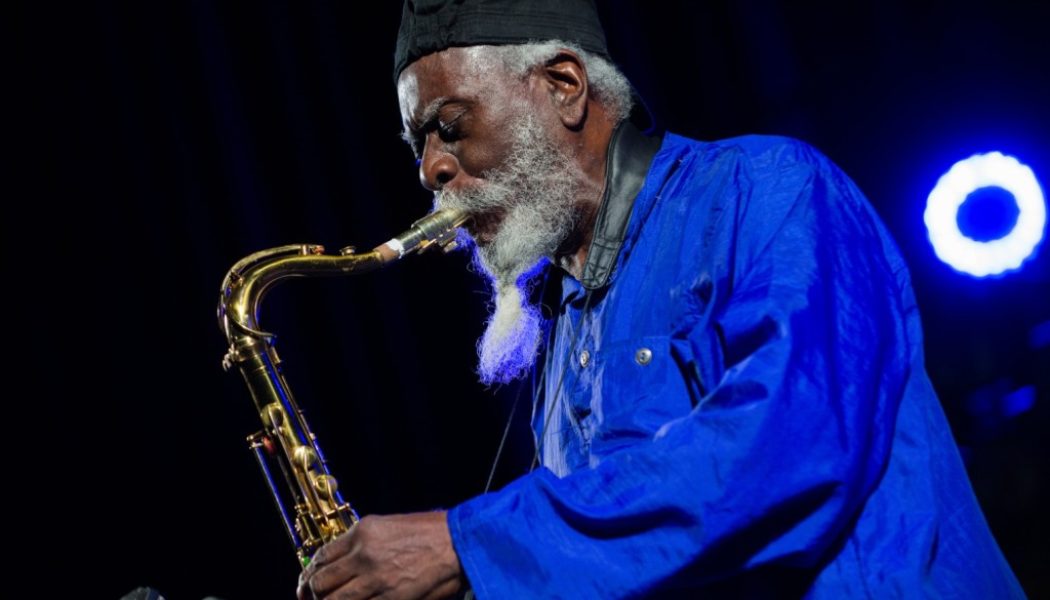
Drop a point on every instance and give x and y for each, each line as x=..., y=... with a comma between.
x=732, y=402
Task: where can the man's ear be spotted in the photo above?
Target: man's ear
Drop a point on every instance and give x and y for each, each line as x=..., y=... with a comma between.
x=566, y=81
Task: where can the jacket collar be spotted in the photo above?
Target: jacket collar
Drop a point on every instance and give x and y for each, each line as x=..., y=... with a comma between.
x=630, y=153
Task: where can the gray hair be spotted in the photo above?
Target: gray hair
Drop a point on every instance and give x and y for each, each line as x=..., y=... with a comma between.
x=607, y=83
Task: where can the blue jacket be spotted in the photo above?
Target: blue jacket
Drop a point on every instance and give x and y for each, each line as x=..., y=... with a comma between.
x=743, y=410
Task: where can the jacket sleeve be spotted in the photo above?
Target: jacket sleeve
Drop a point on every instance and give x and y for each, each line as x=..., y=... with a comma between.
x=801, y=354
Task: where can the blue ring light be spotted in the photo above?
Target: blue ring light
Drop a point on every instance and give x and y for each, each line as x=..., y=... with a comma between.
x=993, y=257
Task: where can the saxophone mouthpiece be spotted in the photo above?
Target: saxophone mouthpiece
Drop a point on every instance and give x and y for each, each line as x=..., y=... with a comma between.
x=437, y=228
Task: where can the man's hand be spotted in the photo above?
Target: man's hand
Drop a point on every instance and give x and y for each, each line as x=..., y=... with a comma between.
x=400, y=557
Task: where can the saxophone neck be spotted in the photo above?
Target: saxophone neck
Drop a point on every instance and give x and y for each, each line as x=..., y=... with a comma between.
x=248, y=281
x=436, y=229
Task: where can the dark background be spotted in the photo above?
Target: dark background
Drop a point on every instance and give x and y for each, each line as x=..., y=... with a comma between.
x=151, y=145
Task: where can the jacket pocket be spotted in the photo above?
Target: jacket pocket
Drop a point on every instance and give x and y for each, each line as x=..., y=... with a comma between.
x=636, y=388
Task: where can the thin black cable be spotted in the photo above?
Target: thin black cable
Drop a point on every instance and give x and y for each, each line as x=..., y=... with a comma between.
x=514, y=407
x=503, y=440
x=535, y=390
x=538, y=383
x=561, y=380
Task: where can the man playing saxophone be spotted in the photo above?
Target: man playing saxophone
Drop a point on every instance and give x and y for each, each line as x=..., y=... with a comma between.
x=733, y=401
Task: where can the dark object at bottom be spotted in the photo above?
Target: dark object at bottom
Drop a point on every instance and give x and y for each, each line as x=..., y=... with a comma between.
x=142, y=593
x=147, y=593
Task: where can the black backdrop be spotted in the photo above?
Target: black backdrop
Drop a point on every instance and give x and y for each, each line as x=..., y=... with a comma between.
x=151, y=145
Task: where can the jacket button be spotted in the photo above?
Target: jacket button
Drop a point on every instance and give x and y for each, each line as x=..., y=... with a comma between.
x=643, y=356
x=585, y=357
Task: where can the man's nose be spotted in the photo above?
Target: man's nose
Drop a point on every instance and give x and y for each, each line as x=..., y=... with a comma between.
x=436, y=169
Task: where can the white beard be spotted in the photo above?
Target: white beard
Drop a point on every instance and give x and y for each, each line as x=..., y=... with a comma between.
x=536, y=188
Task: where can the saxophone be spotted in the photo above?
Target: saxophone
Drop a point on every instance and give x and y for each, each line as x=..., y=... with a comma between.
x=308, y=498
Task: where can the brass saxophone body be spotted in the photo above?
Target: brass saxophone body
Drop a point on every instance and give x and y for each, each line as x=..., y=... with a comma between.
x=305, y=492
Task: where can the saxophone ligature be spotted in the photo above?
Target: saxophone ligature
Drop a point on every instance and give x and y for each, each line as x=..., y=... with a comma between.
x=306, y=494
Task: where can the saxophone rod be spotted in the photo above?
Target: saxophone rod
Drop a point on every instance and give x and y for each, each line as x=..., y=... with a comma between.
x=436, y=229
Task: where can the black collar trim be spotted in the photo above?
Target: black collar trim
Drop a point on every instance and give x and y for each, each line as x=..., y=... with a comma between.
x=630, y=153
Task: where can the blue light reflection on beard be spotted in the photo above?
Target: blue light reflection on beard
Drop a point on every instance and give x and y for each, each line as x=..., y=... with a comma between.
x=508, y=355
x=508, y=352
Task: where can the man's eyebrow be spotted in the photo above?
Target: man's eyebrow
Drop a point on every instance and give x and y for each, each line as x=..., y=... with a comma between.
x=428, y=114
x=416, y=127
x=411, y=132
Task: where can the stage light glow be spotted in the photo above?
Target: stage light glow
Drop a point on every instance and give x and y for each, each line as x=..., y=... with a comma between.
x=991, y=257
x=1039, y=337
x=1019, y=401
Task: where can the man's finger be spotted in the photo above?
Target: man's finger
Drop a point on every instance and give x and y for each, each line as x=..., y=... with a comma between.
x=331, y=551
x=302, y=590
x=331, y=577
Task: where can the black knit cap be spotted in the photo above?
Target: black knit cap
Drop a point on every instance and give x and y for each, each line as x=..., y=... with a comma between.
x=432, y=25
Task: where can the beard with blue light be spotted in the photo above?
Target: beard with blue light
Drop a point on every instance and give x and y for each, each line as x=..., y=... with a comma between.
x=536, y=191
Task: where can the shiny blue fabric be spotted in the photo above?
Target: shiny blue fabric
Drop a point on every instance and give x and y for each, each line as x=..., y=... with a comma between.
x=783, y=441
